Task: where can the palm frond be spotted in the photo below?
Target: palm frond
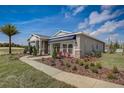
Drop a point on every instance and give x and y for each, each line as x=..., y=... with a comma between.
x=9, y=30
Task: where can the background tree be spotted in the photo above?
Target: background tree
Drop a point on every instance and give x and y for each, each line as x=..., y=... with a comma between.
x=111, y=48
x=9, y=30
x=116, y=45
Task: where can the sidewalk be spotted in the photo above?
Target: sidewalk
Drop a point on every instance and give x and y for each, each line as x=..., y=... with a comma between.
x=69, y=78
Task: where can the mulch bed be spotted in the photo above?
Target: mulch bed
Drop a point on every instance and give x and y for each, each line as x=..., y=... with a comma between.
x=72, y=65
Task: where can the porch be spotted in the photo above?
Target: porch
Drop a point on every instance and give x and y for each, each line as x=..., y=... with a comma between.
x=64, y=45
x=40, y=42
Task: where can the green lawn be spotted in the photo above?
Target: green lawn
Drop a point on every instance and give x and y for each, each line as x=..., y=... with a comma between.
x=110, y=60
x=15, y=50
x=14, y=73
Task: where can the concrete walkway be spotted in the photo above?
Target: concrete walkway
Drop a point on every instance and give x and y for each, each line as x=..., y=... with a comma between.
x=69, y=78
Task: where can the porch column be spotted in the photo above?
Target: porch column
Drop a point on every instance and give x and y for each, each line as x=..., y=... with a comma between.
x=43, y=47
x=40, y=47
x=51, y=48
x=36, y=44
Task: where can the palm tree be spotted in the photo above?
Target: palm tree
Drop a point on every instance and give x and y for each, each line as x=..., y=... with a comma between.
x=9, y=30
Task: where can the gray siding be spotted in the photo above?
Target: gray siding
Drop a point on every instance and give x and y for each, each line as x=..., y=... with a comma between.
x=88, y=44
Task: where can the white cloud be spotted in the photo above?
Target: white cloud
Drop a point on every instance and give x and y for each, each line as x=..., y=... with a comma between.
x=27, y=22
x=104, y=17
x=74, y=10
x=67, y=15
x=78, y=10
x=87, y=31
x=108, y=27
x=96, y=17
x=83, y=25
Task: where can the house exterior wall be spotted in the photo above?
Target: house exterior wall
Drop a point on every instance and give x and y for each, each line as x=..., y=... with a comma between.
x=87, y=45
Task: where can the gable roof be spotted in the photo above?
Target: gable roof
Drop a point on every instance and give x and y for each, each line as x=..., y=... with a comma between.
x=41, y=36
x=60, y=33
x=75, y=33
x=38, y=36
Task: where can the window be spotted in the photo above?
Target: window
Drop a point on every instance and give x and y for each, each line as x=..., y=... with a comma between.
x=56, y=46
x=70, y=48
x=64, y=48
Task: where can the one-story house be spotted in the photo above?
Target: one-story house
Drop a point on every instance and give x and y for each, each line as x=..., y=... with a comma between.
x=77, y=44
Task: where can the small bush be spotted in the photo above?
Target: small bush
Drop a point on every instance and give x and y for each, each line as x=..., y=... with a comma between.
x=86, y=66
x=54, y=55
x=52, y=63
x=92, y=64
x=34, y=51
x=98, y=54
x=94, y=69
x=67, y=64
x=81, y=63
x=61, y=63
x=92, y=54
x=99, y=65
x=25, y=50
x=111, y=76
x=74, y=68
x=86, y=59
x=115, y=70
x=30, y=50
x=77, y=61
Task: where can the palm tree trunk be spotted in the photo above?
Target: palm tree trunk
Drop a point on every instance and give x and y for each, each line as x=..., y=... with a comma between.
x=9, y=44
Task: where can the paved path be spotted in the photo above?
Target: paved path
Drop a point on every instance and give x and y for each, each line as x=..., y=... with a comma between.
x=69, y=78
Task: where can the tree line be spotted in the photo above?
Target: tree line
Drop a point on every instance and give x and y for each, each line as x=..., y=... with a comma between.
x=12, y=44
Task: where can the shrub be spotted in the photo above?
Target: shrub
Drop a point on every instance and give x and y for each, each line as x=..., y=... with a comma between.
x=54, y=55
x=52, y=63
x=115, y=70
x=98, y=65
x=77, y=61
x=34, y=51
x=98, y=54
x=94, y=69
x=60, y=62
x=74, y=68
x=60, y=54
x=25, y=50
x=81, y=63
x=30, y=50
x=67, y=64
x=111, y=76
x=92, y=54
x=92, y=64
x=86, y=66
x=86, y=59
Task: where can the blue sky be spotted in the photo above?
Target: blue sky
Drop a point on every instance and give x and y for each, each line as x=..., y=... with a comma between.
x=102, y=22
